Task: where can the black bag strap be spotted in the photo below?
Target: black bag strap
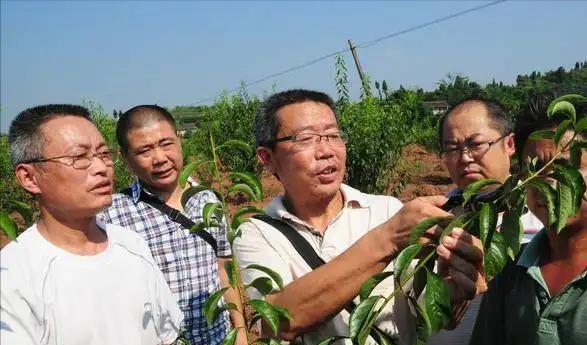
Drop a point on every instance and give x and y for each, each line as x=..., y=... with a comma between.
x=175, y=215
x=304, y=248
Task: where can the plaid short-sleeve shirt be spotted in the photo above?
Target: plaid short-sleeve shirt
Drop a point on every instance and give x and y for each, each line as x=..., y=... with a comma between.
x=187, y=261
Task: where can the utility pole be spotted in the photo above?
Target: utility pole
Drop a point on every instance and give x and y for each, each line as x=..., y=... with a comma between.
x=359, y=69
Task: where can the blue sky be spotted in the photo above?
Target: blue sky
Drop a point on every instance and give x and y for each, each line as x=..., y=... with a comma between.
x=120, y=54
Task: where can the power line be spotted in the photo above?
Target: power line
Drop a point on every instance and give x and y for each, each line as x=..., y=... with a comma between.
x=361, y=45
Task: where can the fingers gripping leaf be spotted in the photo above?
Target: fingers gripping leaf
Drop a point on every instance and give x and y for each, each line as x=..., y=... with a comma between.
x=424, y=225
x=268, y=312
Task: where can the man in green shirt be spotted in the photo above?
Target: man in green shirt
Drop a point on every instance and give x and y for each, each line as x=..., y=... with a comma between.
x=542, y=298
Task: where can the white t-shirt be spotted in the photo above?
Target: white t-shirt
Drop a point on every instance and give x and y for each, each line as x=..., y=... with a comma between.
x=261, y=244
x=50, y=296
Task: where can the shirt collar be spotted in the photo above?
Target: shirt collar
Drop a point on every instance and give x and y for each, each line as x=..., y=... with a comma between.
x=351, y=197
x=137, y=187
x=531, y=254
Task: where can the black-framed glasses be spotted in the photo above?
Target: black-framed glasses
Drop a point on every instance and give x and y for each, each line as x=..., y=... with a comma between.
x=309, y=140
x=79, y=161
x=475, y=150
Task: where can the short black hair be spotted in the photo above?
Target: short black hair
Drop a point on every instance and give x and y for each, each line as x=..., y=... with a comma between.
x=25, y=137
x=137, y=117
x=499, y=118
x=265, y=126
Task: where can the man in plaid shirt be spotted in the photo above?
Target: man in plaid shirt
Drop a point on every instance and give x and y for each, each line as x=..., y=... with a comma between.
x=151, y=149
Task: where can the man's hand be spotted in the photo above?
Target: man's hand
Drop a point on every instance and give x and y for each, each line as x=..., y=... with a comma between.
x=460, y=263
x=413, y=212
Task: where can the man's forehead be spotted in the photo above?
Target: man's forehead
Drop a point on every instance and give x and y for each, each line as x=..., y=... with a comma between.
x=306, y=116
x=70, y=131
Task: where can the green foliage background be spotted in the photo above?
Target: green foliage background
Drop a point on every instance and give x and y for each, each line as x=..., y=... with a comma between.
x=379, y=126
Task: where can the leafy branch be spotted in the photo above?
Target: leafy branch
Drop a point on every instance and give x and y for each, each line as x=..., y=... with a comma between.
x=480, y=218
x=246, y=184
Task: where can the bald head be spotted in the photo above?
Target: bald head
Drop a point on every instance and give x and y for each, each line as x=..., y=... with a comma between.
x=498, y=119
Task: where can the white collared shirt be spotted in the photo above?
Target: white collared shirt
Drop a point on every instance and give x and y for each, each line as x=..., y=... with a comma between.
x=262, y=244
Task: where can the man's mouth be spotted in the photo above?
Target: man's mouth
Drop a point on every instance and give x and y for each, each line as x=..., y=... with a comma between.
x=102, y=187
x=163, y=174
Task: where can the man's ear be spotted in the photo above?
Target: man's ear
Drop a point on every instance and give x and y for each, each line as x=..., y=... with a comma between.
x=26, y=176
x=266, y=158
x=510, y=144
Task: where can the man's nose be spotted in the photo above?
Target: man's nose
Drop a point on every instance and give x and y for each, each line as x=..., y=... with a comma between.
x=158, y=155
x=324, y=147
x=465, y=155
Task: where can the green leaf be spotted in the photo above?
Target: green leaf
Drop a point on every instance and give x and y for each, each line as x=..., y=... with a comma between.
x=24, y=209
x=8, y=225
x=284, y=313
x=549, y=195
x=564, y=108
x=564, y=205
x=475, y=187
x=271, y=273
x=512, y=231
x=332, y=340
x=542, y=134
x=572, y=98
x=238, y=145
x=458, y=222
x=371, y=283
x=575, y=156
x=230, y=337
x=263, y=284
x=438, y=307
x=190, y=192
x=571, y=177
x=247, y=209
x=581, y=126
x=229, y=268
x=404, y=259
x=382, y=338
x=360, y=315
x=423, y=327
x=495, y=256
x=267, y=312
x=211, y=305
x=209, y=211
x=187, y=170
x=234, y=230
x=424, y=225
x=243, y=188
x=561, y=130
x=250, y=180
x=487, y=222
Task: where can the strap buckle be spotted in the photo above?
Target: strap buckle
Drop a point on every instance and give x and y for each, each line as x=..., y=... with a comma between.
x=174, y=214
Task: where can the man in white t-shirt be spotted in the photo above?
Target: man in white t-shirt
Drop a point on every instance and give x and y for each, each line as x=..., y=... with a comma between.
x=356, y=234
x=477, y=142
x=70, y=280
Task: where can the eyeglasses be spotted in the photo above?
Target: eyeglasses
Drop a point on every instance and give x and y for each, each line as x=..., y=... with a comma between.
x=79, y=161
x=309, y=140
x=475, y=150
